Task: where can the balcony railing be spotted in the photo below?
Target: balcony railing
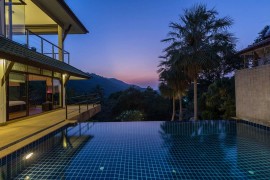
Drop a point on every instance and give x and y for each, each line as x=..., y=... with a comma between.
x=39, y=44
x=81, y=103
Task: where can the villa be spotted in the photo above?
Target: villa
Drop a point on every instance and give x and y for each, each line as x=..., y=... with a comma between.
x=34, y=71
x=252, y=83
x=46, y=132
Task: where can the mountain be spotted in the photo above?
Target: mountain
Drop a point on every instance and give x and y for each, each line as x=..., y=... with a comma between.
x=109, y=85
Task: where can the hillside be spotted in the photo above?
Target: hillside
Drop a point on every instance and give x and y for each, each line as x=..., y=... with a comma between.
x=109, y=85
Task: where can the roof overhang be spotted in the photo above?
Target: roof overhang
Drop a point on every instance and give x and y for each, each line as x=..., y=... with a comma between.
x=255, y=47
x=16, y=52
x=57, y=12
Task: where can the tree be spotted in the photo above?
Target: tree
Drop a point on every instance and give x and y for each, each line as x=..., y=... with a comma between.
x=228, y=62
x=131, y=115
x=198, y=42
x=167, y=92
x=219, y=100
x=149, y=102
x=174, y=83
x=99, y=90
x=262, y=34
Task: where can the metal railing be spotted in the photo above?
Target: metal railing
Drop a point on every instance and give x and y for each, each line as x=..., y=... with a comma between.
x=80, y=102
x=39, y=44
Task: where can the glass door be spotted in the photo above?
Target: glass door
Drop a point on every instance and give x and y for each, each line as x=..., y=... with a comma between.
x=40, y=94
x=17, y=95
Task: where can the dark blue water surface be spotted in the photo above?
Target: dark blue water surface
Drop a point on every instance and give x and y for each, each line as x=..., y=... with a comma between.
x=152, y=150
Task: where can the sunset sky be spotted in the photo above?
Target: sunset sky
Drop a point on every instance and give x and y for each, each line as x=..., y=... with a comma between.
x=124, y=39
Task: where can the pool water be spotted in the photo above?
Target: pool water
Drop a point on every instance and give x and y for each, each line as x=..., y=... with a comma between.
x=154, y=150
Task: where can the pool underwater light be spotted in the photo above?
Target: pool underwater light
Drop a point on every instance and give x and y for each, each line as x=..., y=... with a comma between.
x=28, y=156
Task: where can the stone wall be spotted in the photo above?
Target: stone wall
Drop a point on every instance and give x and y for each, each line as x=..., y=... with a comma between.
x=252, y=88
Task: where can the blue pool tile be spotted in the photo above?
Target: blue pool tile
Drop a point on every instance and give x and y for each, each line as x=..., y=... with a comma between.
x=148, y=150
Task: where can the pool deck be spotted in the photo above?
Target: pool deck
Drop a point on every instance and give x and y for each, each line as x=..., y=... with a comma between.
x=22, y=132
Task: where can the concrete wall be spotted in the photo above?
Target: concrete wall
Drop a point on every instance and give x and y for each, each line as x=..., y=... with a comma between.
x=252, y=87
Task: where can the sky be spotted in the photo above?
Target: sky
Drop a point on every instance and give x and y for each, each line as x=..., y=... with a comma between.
x=124, y=39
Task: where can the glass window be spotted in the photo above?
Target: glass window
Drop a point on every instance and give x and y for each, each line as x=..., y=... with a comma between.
x=17, y=101
x=40, y=94
x=57, y=93
x=57, y=75
x=19, y=67
x=32, y=94
x=2, y=18
x=16, y=28
x=46, y=72
x=34, y=70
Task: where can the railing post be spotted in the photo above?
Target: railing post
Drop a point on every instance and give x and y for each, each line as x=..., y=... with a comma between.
x=27, y=38
x=53, y=51
x=66, y=107
x=42, y=46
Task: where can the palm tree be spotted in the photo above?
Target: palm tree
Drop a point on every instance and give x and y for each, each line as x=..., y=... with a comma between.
x=167, y=92
x=182, y=82
x=174, y=82
x=199, y=39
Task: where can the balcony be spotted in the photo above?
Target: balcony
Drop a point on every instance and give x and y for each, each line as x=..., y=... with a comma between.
x=41, y=45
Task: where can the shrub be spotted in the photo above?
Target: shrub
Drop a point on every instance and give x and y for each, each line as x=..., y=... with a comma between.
x=131, y=115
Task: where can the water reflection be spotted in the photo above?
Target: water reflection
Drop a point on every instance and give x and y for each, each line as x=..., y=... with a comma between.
x=63, y=145
x=139, y=150
x=253, y=154
x=202, y=148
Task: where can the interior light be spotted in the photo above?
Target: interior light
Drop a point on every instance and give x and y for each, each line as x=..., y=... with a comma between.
x=1, y=65
x=28, y=156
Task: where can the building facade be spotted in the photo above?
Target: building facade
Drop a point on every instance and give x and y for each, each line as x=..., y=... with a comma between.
x=33, y=70
x=252, y=83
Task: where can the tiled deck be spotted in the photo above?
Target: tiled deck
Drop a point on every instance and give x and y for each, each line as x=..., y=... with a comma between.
x=16, y=135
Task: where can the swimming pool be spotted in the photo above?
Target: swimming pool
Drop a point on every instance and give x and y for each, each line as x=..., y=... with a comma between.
x=147, y=150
